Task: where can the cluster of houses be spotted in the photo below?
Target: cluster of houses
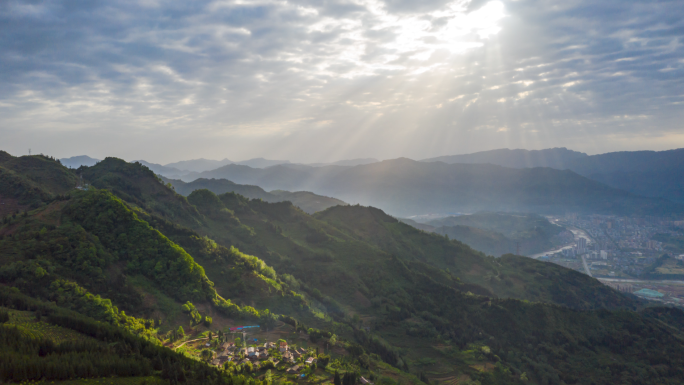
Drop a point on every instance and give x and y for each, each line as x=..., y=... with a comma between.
x=228, y=352
x=256, y=355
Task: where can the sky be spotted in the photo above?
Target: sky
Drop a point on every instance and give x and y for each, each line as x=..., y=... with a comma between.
x=323, y=80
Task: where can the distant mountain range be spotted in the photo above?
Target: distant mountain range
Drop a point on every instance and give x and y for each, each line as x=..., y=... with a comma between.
x=350, y=162
x=184, y=167
x=647, y=173
x=394, y=185
x=553, y=157
x=405, y=187
x=307, y=201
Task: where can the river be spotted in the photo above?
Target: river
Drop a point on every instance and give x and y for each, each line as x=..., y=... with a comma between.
x=578, y=233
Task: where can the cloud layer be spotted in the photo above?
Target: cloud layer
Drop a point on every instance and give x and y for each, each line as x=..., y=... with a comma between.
x=324, y=80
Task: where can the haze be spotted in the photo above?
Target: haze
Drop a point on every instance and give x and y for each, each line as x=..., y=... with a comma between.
x=314, y=81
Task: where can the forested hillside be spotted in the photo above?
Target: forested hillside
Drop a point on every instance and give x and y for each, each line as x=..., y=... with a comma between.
x=499, y=233
x=305, y=200
x=129, y=255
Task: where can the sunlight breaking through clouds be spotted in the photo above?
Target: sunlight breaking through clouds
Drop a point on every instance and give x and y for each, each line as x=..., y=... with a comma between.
x=340, y=78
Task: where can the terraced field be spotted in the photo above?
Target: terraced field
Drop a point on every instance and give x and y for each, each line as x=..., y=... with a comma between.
x=26, y=322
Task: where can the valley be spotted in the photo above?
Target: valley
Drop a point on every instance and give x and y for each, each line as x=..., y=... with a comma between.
x=359, y=291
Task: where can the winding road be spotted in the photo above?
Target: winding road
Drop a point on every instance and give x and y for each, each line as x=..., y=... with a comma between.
x=199, y=339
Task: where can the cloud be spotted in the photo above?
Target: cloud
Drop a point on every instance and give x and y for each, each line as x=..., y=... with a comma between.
x=320, y=80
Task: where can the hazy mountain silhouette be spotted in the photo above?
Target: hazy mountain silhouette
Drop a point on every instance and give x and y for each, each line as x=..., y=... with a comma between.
x=406, y=187
x=305, y=200
x=647, y=173
x=199, y=165
x=78, y=161
x=558, y=158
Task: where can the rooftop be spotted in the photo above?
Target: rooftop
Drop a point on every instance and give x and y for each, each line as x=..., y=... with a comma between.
x=649, y=293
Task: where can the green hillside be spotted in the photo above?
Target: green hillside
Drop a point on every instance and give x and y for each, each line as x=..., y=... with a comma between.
x=488, y=242
x=218, y=186
x=44, y=342
x=132, y=263
x=500, y=233
x=31, y=181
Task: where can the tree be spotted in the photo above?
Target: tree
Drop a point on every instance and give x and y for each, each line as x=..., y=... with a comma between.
x=248, y=367
x=206, y=355
x=268, y=377
x=323, y=360
x=269, y=320
x=180, y=332
x=4, y=316
x=337, y=380
x=229, y=367
x=238, y=341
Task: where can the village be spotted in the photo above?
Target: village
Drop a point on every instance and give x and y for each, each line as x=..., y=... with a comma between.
x=254, y=355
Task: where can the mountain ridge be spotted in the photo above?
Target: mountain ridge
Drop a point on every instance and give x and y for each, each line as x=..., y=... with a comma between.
x=307, y=201
x=405, y=187
x=646, y=173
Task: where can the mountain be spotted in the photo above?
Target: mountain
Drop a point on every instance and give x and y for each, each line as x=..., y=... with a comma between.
x=129, y=266
x=349, y=162
x=261, y=162
x=307, y=201
x=199, y=165
x=29, y=182
x=78, y=161
x=404, y=187
x=517, y=226
x=558, y=158
x=488, y=242
x=500, y=233
x=646, y=173
x=162, y=170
